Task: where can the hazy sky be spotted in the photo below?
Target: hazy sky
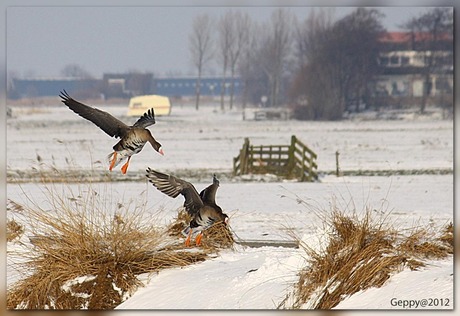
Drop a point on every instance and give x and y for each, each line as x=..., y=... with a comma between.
x=41, y=41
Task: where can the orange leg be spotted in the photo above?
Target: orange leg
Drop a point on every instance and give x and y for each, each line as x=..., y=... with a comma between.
x=189, y=237
x=124, y=169
x=198, y=239
x=114, y=159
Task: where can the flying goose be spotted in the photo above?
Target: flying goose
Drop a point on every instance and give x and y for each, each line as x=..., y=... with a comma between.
x=132, y=138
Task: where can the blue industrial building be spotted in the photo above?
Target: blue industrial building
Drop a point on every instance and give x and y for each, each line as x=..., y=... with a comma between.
x=121, y=85
x=210, y=86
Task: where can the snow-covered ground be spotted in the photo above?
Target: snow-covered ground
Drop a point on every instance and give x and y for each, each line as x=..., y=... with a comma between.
x=259, y=278
x=208, y=139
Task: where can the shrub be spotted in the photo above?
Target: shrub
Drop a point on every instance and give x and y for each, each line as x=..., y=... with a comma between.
x=362, y=252
x=85, y=255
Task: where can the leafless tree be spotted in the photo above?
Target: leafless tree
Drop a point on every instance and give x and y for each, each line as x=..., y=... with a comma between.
x=429, y=31
x=226, y=39
x=339, y=59
x=234, y=29
x=242, y=30
x=251, y=73
x=200, y=44
x=276, y=47
x=307, y=38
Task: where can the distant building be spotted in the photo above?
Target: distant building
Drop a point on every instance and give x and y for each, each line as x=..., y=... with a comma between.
x=124, y=85
x=210, y=86
x=42, y=87
x=405, y=63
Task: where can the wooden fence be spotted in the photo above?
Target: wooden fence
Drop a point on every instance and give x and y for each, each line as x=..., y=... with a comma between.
x=290, y=161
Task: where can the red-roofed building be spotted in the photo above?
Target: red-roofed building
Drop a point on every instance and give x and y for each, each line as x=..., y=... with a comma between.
x=407, y=59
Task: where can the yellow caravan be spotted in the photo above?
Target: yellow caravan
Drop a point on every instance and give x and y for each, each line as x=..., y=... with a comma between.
x=140, y=104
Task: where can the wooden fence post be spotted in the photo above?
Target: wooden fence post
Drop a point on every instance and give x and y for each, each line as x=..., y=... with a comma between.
x=291, y=159
x=302, y=178
x=244, y=156
x=337, y=168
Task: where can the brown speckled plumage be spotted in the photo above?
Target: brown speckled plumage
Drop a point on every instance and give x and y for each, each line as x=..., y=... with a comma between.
x=202, y=207
x=132, y=138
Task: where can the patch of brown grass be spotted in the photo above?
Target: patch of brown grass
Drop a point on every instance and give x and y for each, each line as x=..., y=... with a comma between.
x=181, y=221
x=13, y=230
x=361, y=253
x=217, y=236
x=447, y=236
x=427, y=243
x=84, y=255
x=214, y=238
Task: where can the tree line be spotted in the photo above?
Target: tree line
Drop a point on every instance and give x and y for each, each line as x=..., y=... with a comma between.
x=318, y=64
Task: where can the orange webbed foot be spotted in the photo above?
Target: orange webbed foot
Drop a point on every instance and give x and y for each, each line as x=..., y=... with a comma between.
x=198, y=239
x=114, y=159
x=124, y=169
x=189, y=237
x=187, y=242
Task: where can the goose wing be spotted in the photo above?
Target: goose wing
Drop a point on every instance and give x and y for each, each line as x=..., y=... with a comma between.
x=146, y=120
x=208, y=195
x=104, y=120
x=173, y=186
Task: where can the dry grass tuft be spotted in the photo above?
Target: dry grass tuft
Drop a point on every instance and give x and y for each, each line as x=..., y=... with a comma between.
x=84, y=255
x=13, y=230
x=361, y=253
x=447, y=236
x=216, y=237
x=424, y=243
x=179, y=223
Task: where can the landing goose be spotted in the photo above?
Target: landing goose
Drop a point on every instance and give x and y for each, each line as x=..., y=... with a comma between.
x=132, y=138
x=202, y=207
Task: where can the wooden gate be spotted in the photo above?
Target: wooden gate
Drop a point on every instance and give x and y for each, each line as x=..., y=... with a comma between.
x=290, y=161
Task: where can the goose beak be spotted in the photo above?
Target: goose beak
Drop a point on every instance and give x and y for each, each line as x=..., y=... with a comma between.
x=161, y=151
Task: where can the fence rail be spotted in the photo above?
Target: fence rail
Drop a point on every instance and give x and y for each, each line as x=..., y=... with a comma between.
x=291, y=161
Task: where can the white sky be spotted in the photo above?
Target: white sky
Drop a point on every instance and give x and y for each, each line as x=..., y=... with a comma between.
x=42, y=40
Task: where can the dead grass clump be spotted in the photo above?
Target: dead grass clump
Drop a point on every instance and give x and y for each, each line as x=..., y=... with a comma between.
x=13, y=230
x=215, y=237
x=423, y=243
x=181, y=221
x=358, y=256
x=447, y=236
x=360, y=253
x=83, y=255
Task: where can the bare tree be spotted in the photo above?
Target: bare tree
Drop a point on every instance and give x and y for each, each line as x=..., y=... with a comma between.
x=307, y=36
x=358, y=35
x=341, y=58
x=242, y=29
x=200, y=44
x=234, y=29
x=276, y=47
x=226, y=38
x=249, y=68
x=428, y=31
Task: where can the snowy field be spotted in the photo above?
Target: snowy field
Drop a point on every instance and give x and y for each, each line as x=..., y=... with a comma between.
x=267, y=209
x=208, y=139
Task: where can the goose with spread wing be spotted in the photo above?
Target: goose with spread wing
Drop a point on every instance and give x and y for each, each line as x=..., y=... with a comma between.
x=132, y=138
x=202, y=207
